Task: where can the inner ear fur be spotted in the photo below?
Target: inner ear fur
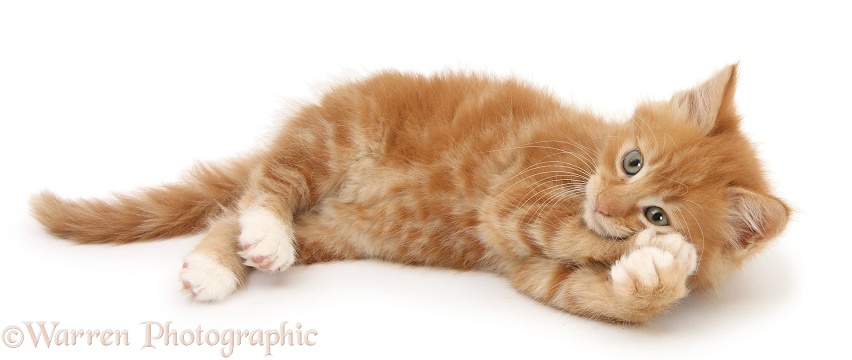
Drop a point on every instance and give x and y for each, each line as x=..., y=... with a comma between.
x=756, y=217
x=710, y=105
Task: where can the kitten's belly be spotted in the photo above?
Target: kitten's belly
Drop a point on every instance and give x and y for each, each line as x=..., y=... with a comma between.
x=396, y=215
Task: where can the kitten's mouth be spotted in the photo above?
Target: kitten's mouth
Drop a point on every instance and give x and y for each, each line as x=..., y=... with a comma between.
x=616, y=238
x=597, y=226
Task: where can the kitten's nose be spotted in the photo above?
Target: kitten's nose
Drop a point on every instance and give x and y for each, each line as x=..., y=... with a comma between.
x=601, y=208
x=610, y=202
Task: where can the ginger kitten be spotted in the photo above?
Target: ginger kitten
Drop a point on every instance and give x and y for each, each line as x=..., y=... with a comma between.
x=614, y=221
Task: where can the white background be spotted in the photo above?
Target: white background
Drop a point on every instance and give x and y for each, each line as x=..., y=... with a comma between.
x=100, y=97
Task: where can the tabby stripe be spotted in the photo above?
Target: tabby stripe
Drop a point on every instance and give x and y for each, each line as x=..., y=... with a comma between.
x=526, y=231
x=557, y=279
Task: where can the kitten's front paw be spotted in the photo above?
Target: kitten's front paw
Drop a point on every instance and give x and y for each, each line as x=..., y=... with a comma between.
x=207, y=279
x=673, y=243
x=656, y=271
x=267, y=242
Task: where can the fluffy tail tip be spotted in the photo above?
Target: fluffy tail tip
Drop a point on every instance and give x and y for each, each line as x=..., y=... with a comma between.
x=43, y=204
x=47, y=208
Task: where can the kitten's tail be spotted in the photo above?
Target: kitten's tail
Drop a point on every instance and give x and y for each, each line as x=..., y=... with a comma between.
x=152, y=213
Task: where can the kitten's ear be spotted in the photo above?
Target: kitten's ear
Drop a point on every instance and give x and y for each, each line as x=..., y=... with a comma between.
x=756, y=217
x=710, y=105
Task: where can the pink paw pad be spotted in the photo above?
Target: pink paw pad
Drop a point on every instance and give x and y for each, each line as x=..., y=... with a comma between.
x=188, y=286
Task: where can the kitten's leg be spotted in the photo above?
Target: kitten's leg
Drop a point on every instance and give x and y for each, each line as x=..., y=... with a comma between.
x=299, y=168
x=276, y=191
x=643, y=283
x=213, y=270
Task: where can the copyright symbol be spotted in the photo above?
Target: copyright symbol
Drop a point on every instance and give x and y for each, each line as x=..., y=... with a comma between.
x=13, y=337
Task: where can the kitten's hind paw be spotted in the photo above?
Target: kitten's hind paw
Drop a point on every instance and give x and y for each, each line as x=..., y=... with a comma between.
x=267, y=242
x=207, y=279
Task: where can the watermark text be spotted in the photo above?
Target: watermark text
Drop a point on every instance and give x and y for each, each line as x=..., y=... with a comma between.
x=155, y=334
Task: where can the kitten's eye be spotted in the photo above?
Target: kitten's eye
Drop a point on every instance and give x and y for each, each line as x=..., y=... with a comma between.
x=632, y=162
x=657, y=216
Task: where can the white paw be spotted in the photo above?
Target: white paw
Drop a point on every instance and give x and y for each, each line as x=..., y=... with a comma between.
x=641, y=266
x=660, y=261
x=674, y=243
x=206, y=278
x=267, y=242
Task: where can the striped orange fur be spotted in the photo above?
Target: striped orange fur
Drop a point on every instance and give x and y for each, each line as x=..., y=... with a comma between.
x=472, y=172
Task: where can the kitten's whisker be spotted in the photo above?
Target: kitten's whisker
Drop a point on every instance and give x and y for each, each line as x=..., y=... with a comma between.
x=570, y=166
x=533, y=196
x=696, y=204
x=549, y=187
x=533, y=204
x=556, y=195
x=673, y=142
x=548, y=184
x=651, y=130
x=678, y=217
x=535, y=166
x=700, y=229
x=586, y=150
x=563, y=151
x=685, y=188
x=531, y=168
x=558, y=175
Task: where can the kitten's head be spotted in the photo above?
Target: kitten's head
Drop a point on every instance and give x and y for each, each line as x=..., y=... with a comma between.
x=685, y=166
